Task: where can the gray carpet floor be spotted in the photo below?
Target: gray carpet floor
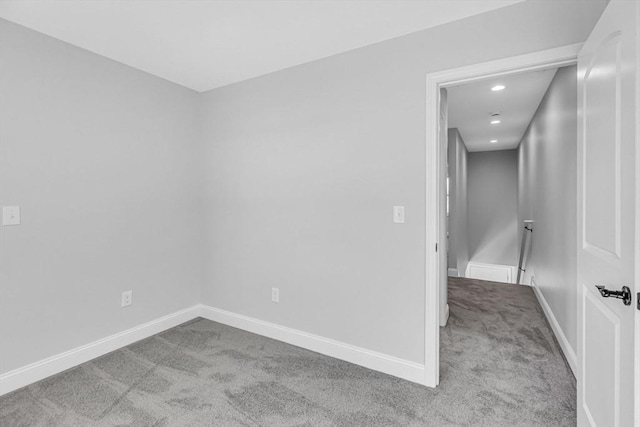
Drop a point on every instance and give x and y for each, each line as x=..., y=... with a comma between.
x=500, y=366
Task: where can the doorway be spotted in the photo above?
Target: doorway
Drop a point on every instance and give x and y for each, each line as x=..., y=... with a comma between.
x=608, y=211
x=436, y=275
x=512, y=197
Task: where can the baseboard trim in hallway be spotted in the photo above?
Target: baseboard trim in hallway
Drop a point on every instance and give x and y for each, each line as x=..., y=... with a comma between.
x=568, y=351
x=381, y=362
x=44, y=368
x=498, y=353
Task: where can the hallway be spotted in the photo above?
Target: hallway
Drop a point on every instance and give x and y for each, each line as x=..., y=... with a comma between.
x=500, y=357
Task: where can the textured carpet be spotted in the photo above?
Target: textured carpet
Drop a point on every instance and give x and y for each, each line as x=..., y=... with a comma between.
x=500, y=366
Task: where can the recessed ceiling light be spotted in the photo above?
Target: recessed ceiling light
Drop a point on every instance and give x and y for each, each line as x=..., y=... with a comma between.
x=493, y=141
x=496, y=88
x=495, y=122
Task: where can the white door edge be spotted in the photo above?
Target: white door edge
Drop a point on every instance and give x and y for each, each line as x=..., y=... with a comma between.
x=637, y=244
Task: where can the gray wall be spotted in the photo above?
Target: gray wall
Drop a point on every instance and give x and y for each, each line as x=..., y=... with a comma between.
x=305, y=164
x=547, y=194
x=458, y=202
x=493, y=206
x=299, y=169
x=103, y=160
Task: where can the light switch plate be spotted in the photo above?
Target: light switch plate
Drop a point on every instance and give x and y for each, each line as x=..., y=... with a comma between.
x=11, y=215
x=398, y=214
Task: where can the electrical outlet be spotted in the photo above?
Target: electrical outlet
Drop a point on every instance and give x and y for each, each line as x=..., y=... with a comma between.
x=127, y=298
x=398, y=214
x=275, y=295
x=11, y=215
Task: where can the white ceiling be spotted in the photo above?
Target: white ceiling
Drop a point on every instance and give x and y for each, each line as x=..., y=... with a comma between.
x=471, y=105
x=207, y=44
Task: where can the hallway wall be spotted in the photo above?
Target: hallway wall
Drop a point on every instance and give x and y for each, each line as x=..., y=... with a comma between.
x=547, y=194
x=493, y=201
x=458, y=155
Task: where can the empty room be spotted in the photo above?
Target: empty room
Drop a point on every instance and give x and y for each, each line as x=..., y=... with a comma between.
x=236, y=213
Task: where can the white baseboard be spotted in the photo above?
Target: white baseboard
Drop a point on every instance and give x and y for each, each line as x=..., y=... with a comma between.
x=37, y=371
x=360, y=356
x=42, y=369
x=453, y=272
x=568, y=351
x=491, y=272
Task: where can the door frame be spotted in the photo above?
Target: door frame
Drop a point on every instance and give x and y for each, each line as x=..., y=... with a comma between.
x=551, y=58
x=637, y=240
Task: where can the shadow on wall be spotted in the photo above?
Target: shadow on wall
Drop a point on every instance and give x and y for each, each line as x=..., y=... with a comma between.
x=491, y=244
x=493, y=204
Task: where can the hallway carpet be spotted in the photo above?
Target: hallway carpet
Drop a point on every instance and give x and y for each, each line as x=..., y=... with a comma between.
x=500, y=366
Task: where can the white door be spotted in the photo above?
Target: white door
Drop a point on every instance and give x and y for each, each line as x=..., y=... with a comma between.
x=607, y=239
x=442, y=213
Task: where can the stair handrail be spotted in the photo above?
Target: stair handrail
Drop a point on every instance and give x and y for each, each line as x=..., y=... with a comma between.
x=528, y=230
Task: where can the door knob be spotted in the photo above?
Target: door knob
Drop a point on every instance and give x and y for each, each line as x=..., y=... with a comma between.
x=624, y=294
